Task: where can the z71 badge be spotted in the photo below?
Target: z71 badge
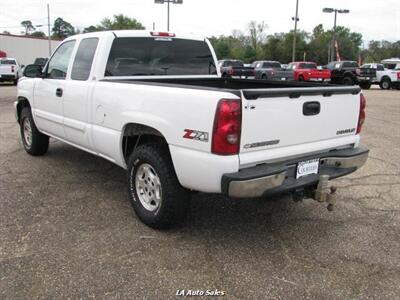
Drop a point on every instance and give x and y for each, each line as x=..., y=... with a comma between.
x=196, y=135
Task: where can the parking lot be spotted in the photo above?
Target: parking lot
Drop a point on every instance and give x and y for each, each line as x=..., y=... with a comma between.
x=67, y=229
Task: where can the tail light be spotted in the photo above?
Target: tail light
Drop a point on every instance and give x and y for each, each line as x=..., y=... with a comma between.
x=227, y=127
x=231, y=71
x=398, y=75
x=163, y=34
x=12, y=69
x=361, y=116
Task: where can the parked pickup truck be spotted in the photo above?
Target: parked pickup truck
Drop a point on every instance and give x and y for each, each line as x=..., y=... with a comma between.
x=154, y=104
x=389, y=77
x=9, y=70
x=308, y=71
x=271, y=70
x=343, y=72
x=234, y=68
x=366, y=74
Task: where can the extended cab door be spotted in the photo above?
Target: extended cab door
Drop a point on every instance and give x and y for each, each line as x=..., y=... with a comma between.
x=78, y=87
x=49, y=92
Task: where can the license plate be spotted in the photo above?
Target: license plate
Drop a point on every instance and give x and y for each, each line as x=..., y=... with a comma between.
x=307, y=167
x=283, y=78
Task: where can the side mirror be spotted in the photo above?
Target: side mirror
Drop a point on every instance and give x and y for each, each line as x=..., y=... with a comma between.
x=33, y=71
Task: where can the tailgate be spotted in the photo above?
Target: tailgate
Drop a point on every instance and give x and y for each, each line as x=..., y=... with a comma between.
x=321, y=74
x=5, y=69
x=278, y=123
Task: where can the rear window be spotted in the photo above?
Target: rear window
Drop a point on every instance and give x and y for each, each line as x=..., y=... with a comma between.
x=234, y=63
x=350, y=64
x=272, y=65
x=8, y=62
x=139, y=56
x=308, y=66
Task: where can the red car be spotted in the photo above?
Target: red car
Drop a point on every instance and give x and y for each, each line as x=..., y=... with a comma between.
x=308, y=71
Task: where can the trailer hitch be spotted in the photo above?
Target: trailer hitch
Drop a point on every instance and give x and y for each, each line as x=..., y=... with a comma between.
x=325, y=192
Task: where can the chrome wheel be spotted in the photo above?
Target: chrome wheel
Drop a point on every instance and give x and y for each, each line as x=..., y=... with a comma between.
x=27, y=127
x=148, y=187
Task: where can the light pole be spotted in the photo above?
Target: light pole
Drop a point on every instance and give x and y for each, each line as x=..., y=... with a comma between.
x=336, y=11
x=168, y=2
x=295, y=19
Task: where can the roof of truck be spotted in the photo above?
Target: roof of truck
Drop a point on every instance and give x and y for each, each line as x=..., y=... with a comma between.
x=391, y=61
x=140, y=33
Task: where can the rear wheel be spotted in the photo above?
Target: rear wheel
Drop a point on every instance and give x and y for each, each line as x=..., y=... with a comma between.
x=301, y=78
x=35, y=142
x=348, y=81
x=385, y=84
x=157, y=197
x=264, y=77
x=365, y=85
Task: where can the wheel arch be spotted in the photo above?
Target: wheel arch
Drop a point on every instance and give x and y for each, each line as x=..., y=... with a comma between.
x=22, y=102
x=136, y=134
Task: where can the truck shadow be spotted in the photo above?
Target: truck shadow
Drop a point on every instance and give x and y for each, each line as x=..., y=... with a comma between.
x=214, y=216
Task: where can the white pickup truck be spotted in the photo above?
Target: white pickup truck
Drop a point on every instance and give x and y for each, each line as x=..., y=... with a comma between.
x=10, y=70
x=155, y=104
x=390, y=76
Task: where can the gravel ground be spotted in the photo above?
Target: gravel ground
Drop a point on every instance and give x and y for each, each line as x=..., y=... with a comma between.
x=68, y=231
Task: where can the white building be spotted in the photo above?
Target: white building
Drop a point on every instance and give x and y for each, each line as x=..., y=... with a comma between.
x=26, y=48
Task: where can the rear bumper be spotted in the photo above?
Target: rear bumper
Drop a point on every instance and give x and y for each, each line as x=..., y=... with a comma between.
x=320, y=79
x=280, y=177
x=7, y=77
x=366, y=78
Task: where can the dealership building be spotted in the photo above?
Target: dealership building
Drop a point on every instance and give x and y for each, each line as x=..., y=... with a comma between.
x=25, y=48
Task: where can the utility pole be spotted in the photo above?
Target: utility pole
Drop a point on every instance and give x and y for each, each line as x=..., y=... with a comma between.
x=48, y=27
x=296, y=18
x=333, y=42
x=168, y=3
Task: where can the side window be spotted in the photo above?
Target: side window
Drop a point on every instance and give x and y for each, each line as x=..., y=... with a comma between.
x=380, y=68
x=84, y=59
x=58, y=64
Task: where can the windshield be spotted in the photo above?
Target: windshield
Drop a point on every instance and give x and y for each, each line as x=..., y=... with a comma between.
x=159, y=56
x=234, y=63
x=308, y=66
x=8, y=62
x=272, y=65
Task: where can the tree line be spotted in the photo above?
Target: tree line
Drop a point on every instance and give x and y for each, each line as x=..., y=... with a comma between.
x=254, y=43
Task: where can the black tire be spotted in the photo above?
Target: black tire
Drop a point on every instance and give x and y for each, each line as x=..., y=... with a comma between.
x=365, y=85
x=38, y=143
x=174, y=203
x=15, y=82
x=301, y=78
x=396, y=86
x=385, y=84
x=348, y=80
x=264, y=77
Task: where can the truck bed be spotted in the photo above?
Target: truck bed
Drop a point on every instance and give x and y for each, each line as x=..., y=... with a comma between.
x=252, y=89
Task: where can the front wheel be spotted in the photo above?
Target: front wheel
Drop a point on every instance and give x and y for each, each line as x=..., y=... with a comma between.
x=385, y=84
x=157, y=197
x=35, y=142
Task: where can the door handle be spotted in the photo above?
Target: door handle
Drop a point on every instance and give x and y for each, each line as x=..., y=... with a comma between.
x=311, y=108
x=59, y=92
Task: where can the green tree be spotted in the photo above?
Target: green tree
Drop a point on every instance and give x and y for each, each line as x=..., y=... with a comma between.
x=28, y=26
x=62, y=29
x=118, y=22
x=38, y=34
